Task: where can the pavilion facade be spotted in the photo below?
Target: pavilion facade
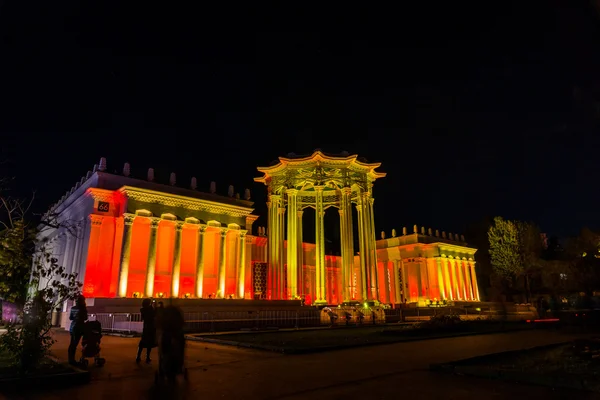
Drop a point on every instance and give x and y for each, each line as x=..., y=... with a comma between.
x=128, y=237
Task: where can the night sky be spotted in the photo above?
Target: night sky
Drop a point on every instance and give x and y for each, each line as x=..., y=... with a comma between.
x=473, y=111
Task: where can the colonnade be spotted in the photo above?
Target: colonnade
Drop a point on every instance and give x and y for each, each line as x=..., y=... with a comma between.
x=288, y=284
x=451, y=278
x=155, y=225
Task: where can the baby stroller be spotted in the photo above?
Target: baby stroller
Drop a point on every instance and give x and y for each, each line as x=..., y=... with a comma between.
x=171, y=346
x=92, y=335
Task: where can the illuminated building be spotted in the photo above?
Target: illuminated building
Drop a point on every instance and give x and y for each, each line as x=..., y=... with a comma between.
x=128, y=237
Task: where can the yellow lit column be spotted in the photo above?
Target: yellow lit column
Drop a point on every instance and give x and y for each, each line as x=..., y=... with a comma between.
x=362, y=250
x=447, y=280
x=273, y=244
x=474, y=280
x=125, y=254
x=372, y=248
x=292, y=244
x=469, y=287
x=300, y=249
x=396, y=276
x=320, y=247
x=241, y=271
x=440, y=275
x=151, y=266
x=222, y=264
x=461, y=279
x=456, y=288
x=200, y=262
x=176, y=261
x=347, y=242
x=283, y=293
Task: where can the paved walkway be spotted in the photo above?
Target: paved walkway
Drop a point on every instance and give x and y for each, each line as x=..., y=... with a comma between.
x=378, y=372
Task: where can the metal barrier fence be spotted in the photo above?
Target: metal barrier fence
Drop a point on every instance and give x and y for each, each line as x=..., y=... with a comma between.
x=217, y=321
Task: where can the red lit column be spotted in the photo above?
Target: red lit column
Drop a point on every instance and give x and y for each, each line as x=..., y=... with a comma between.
x=90, y=281
x=300, y=248
x=362, y=250
x=397, y=288
x=151, y=266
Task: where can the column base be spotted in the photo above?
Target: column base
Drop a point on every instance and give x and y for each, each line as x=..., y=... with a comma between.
x=321, y=302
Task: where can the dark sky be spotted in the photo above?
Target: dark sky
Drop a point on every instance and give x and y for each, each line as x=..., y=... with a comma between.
x=473, y=110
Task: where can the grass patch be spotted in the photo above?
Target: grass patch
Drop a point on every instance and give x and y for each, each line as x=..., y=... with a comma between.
x=302, y=341
x=575, y=365
x=45, y=368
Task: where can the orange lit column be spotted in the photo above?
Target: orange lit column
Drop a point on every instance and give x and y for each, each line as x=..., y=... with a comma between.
x=241, y=270
x=176, y=261
x=125, y=254
x=300, y=249
x=447, y=278
x=474, y=280
x=222, y=263
x=320, y=247
x=396, y=276
x=151, y=266
x=273, y=245
x=362, y=249
x=200, y=262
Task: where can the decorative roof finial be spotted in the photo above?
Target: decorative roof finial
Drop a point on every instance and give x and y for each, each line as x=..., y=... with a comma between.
x=393, y=233
x=462, y=238
x=172, y=179
x=430, y=232
x=150, y=174
x=382, y=234
x=88, y=175
x=451, y=236
x=194, y=183
x=82, y=180
x=403, y=230
x=213, y=187
x=443, y=235
x=126, y=169
x=422, y=230
x=102, y=165
x=415, y=229
x=437, y=233
x=247, y=194
x=95, y=168
x=230, y=191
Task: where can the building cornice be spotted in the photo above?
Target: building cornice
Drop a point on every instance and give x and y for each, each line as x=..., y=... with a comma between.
x=190, y=203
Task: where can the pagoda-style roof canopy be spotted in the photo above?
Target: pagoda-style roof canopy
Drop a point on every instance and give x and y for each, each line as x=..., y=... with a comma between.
x=331, y=171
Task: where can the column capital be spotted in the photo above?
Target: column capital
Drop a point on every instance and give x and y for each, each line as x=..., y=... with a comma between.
x=201, y=229
x=154, y=221
x=347, y=190
x=223, y=232
x=178, y=226
x=243, y=233
x=281, y=210
x=128, y=218
x=291, y=191
x=299, y=212
x=319, y=188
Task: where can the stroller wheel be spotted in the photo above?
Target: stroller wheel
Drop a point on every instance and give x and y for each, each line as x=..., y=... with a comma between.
x=84, y=362
x=100, y=361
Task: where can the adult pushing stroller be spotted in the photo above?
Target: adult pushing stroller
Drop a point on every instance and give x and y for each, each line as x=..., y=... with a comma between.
x=171, y=345
x=90, y=343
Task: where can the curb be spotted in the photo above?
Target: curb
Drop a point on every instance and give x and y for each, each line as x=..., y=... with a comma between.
x=295, y=351
x=465, y=367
